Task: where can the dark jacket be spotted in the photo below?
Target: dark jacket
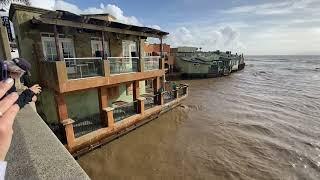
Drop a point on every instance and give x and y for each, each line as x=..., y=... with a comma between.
x=24, y=98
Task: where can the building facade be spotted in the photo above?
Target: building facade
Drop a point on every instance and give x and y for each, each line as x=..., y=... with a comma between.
x=93, y=71
x=155, y=50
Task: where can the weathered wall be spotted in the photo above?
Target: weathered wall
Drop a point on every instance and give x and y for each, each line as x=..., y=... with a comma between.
x=83, y=104
x=149, y=48
x=191, y=68
x=123, y=92
x=80, y=104
x=82, y=44
x=5, y=50
x=26, y=36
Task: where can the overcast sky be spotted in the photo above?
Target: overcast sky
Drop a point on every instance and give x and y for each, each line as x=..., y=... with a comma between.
x=255, y=27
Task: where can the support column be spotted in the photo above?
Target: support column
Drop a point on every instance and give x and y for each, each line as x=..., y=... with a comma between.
x=141, y=54
x=106, y=68
x=136, y=90
x=187, y=90
x=109, y=120
x=103, y=45
x=161, y=64
x=56, y=40
x=68, y=126
x=5, y=50
x=161, y=47
x=136, y=93
x=141, y=105
x=63, y=119
x=161, y=98
x=156, y=88
x=103, y=103
x=176, y=93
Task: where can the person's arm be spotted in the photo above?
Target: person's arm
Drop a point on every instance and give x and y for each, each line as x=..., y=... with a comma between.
x=25, y=97
x=26, y=80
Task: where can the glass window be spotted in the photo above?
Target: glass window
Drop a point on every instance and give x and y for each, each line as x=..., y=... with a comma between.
x=129, y=48
x=96, y=45
x=67, y=49
x=49, y=49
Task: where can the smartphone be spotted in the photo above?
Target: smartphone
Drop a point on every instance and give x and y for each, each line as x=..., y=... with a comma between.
x=4, y=72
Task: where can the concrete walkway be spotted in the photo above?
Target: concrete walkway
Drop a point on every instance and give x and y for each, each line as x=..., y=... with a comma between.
x=36, y=153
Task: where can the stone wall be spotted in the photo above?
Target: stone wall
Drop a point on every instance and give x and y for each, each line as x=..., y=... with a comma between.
x=36, y=153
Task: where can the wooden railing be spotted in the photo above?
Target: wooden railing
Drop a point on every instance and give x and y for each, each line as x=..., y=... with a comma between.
x=151, y=62
x=84, y=67
x=59, y=76
x=120, y=65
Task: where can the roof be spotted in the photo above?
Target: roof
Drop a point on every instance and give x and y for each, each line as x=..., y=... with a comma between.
x=100, y=14
x=15, y=7
x=65, y=18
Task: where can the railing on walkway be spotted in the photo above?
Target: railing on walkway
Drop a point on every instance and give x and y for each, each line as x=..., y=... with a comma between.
x=182, y=91
x=86, y=125
x=151, y=62
x=124, y=111
x=149, y=101
x=84, y=67
x=168, y=96
x=120, y=65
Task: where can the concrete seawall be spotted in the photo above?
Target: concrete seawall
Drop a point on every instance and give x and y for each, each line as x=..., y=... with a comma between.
x=36, y=153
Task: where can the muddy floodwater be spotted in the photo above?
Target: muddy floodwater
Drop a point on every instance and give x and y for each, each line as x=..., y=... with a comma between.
x=259, y=123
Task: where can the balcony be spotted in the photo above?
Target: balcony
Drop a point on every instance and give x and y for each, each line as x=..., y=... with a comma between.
x=83, y=67
x=120, y=119
x=75, y=74
x=151, y=63
x=120, y=65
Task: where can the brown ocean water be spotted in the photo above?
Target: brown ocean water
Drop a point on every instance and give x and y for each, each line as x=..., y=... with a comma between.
x=259, y=123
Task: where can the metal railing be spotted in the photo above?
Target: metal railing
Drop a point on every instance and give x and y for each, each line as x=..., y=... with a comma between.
x=86, y=125
x=151, y=62
x=182, y=91
x=124, y=111
x=168, y=96
x=84, y=67
x=150, y=101
x=120, y=65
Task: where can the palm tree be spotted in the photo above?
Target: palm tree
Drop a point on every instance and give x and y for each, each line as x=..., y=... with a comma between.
x=7, y=2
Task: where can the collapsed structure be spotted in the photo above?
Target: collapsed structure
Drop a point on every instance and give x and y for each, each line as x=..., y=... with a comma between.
x=193, y=63
x=97, y=82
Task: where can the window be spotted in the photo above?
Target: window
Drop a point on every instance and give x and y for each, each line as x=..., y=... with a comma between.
x=129, y=48
x=49, y=47
x=96, y=45
x=67, y=48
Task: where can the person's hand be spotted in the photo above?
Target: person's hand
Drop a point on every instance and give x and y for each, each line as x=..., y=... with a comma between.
x=34, y=98
x=8, y=111
x=36, y=89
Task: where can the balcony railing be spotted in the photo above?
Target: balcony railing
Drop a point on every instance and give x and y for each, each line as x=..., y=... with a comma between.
x=169, y=96
x=93, y=72
x=120, y=65
x=150, y=101
x=151, y=62
x=124, y=111
x=84, y=67
x=182, y=91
